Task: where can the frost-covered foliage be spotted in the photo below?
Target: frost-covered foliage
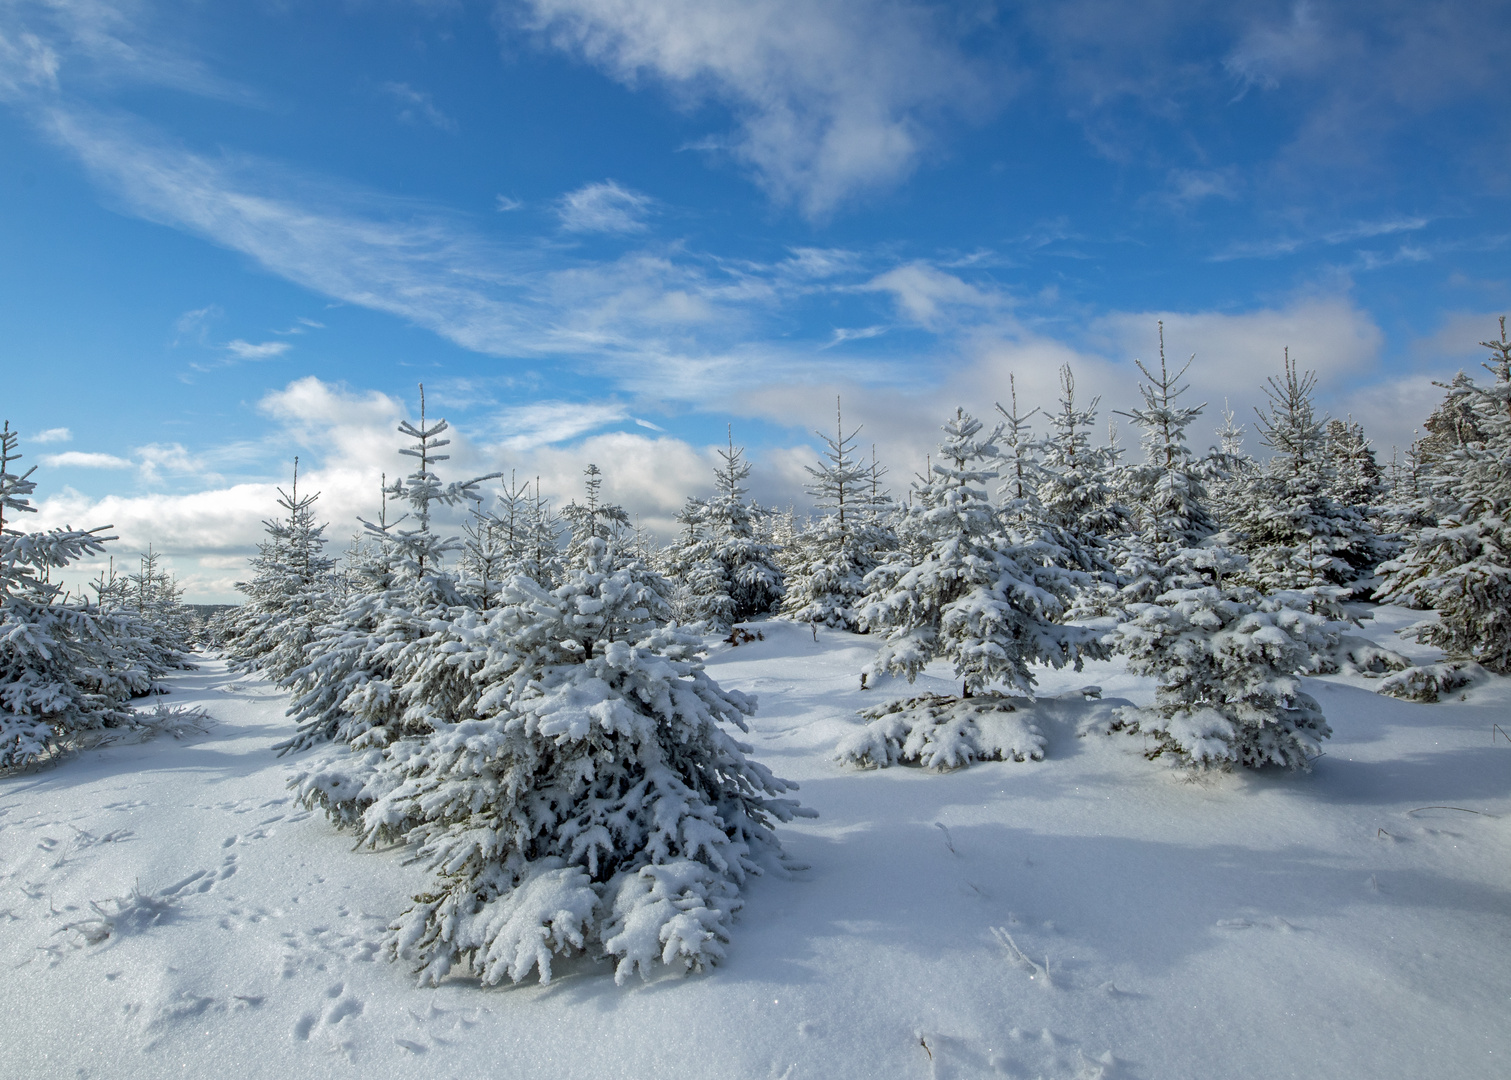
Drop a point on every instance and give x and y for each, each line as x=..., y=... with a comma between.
x=586, y=797
x=828, y=562
x=1462, y=566
x=1289, y=521
x=984, y=594
x=68, y=668
x=1225, y=661
x=943, y=733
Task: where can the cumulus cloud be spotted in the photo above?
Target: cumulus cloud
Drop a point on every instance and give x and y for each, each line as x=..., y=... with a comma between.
x=80, y=459
x=603, y=207
x=52, y=435
x=831, y=99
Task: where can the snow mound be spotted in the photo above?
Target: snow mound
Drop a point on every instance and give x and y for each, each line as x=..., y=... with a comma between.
x=943, y=733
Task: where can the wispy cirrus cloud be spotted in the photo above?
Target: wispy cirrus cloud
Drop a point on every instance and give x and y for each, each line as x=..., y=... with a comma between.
x=417, y=106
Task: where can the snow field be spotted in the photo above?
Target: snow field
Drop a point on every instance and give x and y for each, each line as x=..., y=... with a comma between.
x=166, y=908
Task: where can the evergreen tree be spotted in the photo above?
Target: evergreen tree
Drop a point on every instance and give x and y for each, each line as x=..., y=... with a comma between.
x=1078, y=496
x=830, y=560
x=1166, y=489
x=728, y=572
x=56, y=682
x=1462, y=566
x=984, y=596
x=587, y=799
x=1296, y=534
x=288, y=596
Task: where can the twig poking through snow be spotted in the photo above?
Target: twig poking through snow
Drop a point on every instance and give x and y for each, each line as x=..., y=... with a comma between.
x=947, y=842
x=1018, y=956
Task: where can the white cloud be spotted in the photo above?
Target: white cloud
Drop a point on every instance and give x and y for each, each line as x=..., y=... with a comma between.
x=504, y=204
x=245, y=350
x=604, y=207
x=417, y=105
x=544, y=422
x=831, y=99
x=80, y=459
x=925, y=293
x=52, y=435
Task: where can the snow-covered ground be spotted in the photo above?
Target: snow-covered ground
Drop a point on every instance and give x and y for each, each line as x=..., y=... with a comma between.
x=165, y=909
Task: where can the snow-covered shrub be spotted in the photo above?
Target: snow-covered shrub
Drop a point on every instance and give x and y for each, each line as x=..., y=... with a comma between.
x=1429, y=682
x=1225, y=661
x=942, y=733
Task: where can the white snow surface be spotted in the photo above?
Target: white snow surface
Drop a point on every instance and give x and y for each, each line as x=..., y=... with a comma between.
x=166, y=909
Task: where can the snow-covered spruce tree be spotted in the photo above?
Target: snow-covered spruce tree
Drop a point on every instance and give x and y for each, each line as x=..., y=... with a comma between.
x=592, y=518
x=1224, y=659
x=1462, y=567
x=1166, y=489
x=729, y=571
x=288, y=596
x=830, y=560
x=1022, y=469
x=1226, y=470
x=54, y=654
x=590, y=801
x=985, y=596
x=1077, y=493
x=1295, y=534
x=371, y=675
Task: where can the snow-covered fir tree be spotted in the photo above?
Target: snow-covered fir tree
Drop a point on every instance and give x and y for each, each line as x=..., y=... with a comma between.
x=1293, y=530
x=724, y=568
x=1224, y=660
x=369, y=676
x=592, y=518
x=1078, y=495
x=1022, y=469
x=985, y=596
x=60, y=674
x=585, y=799
x=830, y=560
x=1166, y=489
x=289, y=594
x=1462, y=566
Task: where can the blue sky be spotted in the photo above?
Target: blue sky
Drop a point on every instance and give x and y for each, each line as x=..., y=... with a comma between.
x=604, y=230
